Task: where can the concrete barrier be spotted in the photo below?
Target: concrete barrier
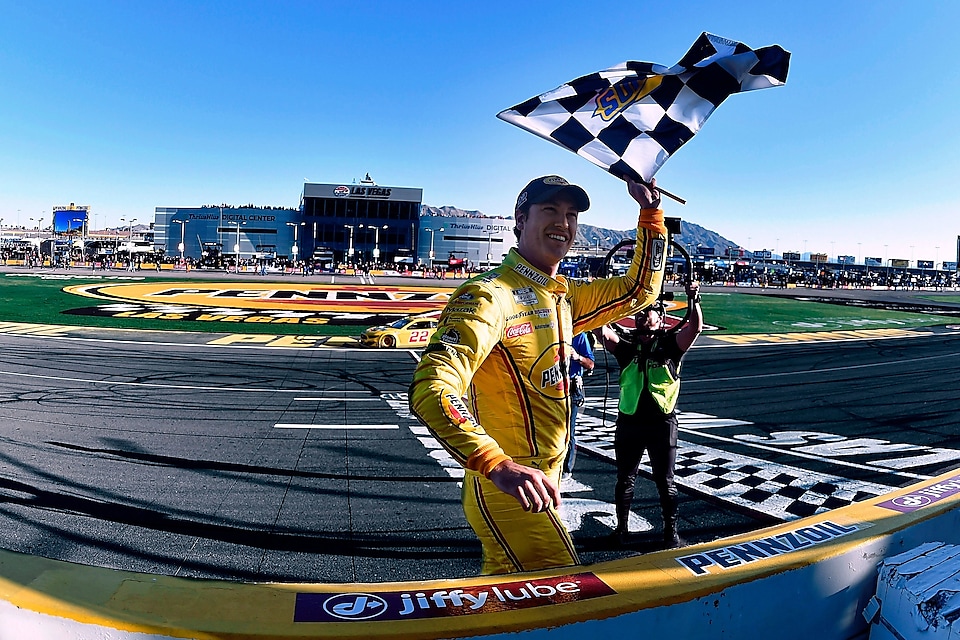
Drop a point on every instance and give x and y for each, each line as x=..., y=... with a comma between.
x=810, y=578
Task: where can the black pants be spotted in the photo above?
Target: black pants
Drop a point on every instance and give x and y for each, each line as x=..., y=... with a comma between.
x=655, y=433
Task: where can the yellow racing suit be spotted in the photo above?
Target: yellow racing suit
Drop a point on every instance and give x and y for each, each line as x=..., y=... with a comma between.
x=492, y=386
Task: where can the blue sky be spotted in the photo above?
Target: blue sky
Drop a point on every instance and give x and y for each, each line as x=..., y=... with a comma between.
x=126, y=106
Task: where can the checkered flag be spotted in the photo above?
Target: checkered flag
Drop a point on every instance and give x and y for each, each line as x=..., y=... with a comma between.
x=630, y=118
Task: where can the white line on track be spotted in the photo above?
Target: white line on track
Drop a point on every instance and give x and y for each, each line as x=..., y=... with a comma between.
x=809, y=372
x=699, y=429
x=912, y=332
x=350, y=427
x=333, y=399
x=808, y=456
x=152, y=385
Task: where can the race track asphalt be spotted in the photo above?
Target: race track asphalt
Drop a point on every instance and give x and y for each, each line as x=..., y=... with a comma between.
x=173, y=454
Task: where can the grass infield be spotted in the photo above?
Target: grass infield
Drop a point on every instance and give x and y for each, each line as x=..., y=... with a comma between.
x=947, y=298
x=36, y=300
x=737, y=313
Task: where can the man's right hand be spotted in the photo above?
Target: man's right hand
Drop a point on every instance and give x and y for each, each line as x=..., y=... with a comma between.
x=646, y=196
x=531, y=487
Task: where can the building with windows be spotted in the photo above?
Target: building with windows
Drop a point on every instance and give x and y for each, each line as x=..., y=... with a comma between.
x=228, y=232
x=361, y=223
x=477, y=242
x=356, y=224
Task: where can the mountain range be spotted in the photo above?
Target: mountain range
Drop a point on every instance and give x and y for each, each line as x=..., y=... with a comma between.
x=691, y=234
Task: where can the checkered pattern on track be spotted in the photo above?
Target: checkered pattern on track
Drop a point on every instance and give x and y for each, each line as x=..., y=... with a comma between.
x=777, y=490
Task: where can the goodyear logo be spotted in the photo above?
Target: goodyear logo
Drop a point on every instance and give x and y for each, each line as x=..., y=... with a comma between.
x=620, y=96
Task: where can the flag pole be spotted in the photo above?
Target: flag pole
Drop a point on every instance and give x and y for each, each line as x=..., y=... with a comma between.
x=664, y=192
x=671, y=196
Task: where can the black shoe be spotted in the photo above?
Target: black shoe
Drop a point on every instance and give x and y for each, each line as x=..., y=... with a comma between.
x=672, y=539
x=621, y=536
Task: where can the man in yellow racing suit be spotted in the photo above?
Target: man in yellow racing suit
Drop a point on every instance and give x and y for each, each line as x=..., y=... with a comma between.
x=503, y=344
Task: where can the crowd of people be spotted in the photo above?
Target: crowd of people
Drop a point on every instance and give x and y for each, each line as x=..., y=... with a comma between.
x=833, y=277
x=709, y=273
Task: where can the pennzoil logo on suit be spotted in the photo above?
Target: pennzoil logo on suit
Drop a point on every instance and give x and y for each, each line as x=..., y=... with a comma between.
x=546, y=375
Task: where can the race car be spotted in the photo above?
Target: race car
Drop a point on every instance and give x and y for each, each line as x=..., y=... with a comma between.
x=413, y=331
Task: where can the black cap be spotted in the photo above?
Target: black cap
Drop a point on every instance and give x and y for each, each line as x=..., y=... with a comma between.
x=545, y=188
x=657, y=306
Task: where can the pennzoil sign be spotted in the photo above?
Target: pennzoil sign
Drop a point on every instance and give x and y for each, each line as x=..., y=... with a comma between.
x=277, y=300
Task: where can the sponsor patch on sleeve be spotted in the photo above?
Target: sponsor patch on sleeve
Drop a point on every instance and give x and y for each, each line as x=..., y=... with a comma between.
x=436, y=346
x=450, y=336
x=456, y=411
x=657, y=251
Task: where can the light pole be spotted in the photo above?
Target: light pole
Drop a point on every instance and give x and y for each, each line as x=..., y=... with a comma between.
x=130, y=242
x=489, y=247
x=236, y=247
x=295, y=249
x=28, y=237
x=84, y=228
x=431, y=243
x=376, y=240
x=181, y=247
x=598, y=238
x=52, y=243
x=888, y=264
x=350, y=247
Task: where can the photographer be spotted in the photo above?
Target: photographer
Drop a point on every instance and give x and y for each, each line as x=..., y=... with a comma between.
x=649, y=362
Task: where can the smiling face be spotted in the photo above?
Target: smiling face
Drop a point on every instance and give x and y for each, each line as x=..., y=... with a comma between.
x=547, y=231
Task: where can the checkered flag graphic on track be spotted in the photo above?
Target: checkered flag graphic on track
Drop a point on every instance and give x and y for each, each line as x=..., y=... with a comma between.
x=630, y=118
